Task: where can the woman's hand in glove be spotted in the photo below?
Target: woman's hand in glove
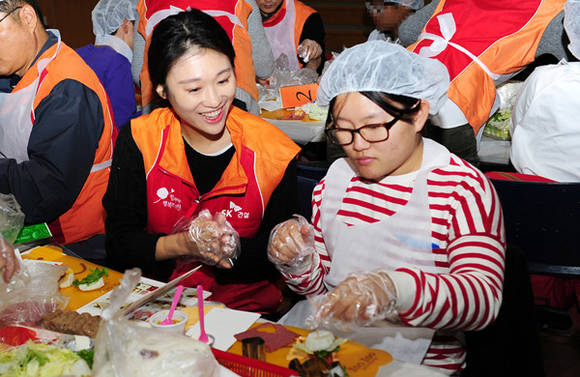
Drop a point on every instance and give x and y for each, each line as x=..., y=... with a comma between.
x=8, y=261
x=291, y=245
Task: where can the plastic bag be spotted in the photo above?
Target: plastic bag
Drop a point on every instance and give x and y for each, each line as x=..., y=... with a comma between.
x=125, y=348
x=499, y=124
x=11, y=217
x=213, y=238
x=31, y=293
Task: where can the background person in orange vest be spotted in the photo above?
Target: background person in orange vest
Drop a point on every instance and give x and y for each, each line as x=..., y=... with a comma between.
x=55, y=130
x=503, y=37
x=296, y=30
x=242, y=21
x=199, y=152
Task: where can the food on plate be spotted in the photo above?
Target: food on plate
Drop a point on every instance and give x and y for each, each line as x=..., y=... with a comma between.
x=313, y=355
x=70, y=322
x=67, y=279
x=94, y=280
x=34, y=360
x=158, y=355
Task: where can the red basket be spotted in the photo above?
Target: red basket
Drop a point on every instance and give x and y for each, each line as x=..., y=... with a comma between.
x=246, y=367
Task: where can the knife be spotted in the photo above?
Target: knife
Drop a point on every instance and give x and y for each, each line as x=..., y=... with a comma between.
x=156, y=293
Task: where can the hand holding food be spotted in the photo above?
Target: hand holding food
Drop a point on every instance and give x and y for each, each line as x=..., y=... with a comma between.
x=360, y=300
x=8, y=262
x=309, y=50
x=213, y=240
x=291, y=245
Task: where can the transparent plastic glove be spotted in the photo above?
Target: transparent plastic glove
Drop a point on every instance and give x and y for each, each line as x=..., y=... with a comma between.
x=291, y=245
x=9, y=264
x=309, y=50
x=213, y=240
x=11, y=217
x=358, y=301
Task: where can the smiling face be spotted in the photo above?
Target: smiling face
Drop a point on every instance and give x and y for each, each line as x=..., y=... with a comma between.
x=200, y=87
x=401, y=153
x=269, y=6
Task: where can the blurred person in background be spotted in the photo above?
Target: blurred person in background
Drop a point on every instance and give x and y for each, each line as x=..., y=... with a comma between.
x=242, y=22
x=388, y=16
x=111, y=55
x=296, y=30
x=55, y=130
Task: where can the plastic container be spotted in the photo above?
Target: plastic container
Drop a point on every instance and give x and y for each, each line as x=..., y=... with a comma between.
x=178, y=325
x=247, y=367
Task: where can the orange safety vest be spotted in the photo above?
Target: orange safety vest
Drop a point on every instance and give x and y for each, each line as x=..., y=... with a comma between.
x=502, y=38
x=86, y=217
x=151, y=12
x=242, y=193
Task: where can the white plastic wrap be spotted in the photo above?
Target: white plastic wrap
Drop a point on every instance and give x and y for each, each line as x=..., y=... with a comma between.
x=124, y=348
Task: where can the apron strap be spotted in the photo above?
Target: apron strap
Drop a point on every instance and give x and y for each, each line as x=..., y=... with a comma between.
x=100, y=166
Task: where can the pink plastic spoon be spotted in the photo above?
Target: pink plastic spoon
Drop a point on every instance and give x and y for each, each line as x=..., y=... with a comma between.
x=176, y=297
x=202, y=335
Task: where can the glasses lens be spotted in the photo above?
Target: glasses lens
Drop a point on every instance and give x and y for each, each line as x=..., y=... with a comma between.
x=374, y=132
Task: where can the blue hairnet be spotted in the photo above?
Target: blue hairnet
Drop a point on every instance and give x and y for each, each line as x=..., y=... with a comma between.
x=380, y=66
x=108, y=15
x=413, y=4
x=572, y=25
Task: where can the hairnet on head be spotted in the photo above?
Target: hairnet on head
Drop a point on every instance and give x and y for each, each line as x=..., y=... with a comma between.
x=379, y=66
x=108, y=15
x=413, y=4
x=572, y=25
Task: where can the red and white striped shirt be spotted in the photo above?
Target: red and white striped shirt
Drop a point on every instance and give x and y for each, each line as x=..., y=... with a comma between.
x=468, y=243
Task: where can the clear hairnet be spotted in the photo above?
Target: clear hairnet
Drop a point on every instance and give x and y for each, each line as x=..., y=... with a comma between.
x=108, y=15
x=572, y=26
x=413, y=4
x=381, y=66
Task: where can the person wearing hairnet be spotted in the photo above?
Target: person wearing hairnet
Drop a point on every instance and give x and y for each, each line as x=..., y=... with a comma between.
x=482, y=43
x=545, y=130
x=295, y=29
x=388, y=15
x=402, y=229
x=242, y=21
x=110, y=57
x=55, y=129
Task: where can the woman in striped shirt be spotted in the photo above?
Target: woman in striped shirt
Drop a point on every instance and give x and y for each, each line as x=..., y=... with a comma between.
x=402, y=230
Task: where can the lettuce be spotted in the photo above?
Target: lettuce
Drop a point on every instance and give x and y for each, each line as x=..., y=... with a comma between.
x=40, y=360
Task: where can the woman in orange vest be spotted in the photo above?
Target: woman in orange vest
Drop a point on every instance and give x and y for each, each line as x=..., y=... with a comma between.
x=296, y=30
x=199, y=152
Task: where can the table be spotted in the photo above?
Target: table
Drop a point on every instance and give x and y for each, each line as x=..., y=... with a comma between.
x=393, y=368
x=301, y=132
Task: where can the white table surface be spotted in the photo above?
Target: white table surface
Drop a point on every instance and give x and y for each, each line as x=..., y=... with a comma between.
x=300, y=132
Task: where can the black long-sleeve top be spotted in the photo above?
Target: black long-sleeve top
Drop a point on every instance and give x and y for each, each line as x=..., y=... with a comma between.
x=129, y=245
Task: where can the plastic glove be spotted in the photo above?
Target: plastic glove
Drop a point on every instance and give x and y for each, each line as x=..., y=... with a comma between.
x=213, y=240
x=359, y=300
x=8, y=261
x=291, y=245
x=309, y=50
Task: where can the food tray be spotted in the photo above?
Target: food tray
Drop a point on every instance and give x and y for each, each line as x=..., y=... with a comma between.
x=246, y=367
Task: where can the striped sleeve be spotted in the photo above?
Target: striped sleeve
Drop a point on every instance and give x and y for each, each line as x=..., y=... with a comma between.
x=312, y=281
x=468, y=295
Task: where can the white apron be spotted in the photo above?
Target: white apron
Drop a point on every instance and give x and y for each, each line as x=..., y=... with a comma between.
x=17, y=114
x=402, y=240
x=281, y=37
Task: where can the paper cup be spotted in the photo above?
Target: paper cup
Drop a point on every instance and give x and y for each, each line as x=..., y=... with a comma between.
x=178, y=325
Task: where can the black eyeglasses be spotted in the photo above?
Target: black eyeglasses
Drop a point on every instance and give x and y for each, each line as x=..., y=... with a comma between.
x=9, y=13
x=373, y=133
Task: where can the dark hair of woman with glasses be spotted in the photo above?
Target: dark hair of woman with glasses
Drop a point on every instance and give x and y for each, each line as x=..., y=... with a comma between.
x=402, y=230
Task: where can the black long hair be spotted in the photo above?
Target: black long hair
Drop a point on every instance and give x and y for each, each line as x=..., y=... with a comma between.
x=175, y=35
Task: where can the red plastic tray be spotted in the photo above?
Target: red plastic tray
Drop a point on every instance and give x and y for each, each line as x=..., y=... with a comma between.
x=246, y=367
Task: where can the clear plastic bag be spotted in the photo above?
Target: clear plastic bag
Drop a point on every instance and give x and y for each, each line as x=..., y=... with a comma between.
x=11, y=217
x=213, y=238
x=500, y=123
x=31, y=293
x=125, y=348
